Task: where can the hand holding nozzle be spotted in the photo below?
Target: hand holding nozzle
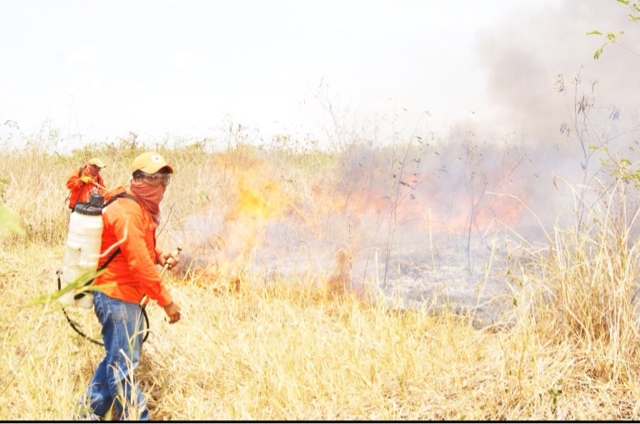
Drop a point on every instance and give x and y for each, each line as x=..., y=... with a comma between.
x=172, y=310
x=169, y=260
x=86, y=179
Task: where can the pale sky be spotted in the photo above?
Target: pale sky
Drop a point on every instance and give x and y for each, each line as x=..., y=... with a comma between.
x=188, y=68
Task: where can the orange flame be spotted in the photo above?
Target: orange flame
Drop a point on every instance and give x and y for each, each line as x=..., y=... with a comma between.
x=335, y=210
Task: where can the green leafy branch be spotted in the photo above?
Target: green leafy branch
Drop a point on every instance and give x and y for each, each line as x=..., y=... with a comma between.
x=79, y=285
x=612, y=38
x=635, y=8
x=619, y=168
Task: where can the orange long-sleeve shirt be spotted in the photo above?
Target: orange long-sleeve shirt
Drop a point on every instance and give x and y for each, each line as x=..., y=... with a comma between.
x=132, y=273
x=80, y=191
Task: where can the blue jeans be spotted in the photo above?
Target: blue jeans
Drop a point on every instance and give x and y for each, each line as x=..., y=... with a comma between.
x=113, y=382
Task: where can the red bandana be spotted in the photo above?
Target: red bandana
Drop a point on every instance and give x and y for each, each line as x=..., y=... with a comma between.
x=90, y=171
x=150, y=196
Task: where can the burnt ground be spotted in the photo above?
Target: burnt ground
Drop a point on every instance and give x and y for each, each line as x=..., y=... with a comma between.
x=403, y=266
x=464, y=274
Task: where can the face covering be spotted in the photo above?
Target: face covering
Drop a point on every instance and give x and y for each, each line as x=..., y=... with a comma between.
x=91, y=171
x=150, y=196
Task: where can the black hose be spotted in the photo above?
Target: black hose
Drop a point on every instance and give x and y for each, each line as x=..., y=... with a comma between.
x=77, y=330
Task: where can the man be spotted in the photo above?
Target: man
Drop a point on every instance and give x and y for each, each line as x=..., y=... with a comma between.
x=85, y=181
x=131, y=275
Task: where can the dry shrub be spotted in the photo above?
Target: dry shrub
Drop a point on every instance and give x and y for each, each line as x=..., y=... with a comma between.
x=580, y=294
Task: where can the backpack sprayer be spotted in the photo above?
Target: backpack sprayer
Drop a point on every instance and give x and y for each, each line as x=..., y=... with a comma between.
x=82, y=250
x=82, y=253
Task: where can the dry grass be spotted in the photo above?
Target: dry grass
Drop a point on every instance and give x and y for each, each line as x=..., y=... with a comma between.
x=294, y=349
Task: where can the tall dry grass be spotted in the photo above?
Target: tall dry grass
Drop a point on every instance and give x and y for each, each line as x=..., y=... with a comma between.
x=292, y=349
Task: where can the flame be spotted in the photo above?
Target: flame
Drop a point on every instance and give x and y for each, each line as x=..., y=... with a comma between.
x=261, y=201
x=330, y=211
x=254, y=199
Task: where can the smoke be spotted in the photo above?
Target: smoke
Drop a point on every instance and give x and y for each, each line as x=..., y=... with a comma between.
x=405, y=212
x=525, y=55
x=541, y=76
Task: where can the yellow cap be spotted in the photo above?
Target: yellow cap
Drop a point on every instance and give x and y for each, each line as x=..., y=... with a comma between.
x=150, y=162
x=97, y=162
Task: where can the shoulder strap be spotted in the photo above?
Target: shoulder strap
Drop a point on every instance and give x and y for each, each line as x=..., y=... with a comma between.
x=109, y=259
x=113, y=199
x=119, y=196
x=79, y=193
x=115, y=252
x=104, y=265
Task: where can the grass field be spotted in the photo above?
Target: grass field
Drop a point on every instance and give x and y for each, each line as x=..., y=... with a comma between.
x=306, y=346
